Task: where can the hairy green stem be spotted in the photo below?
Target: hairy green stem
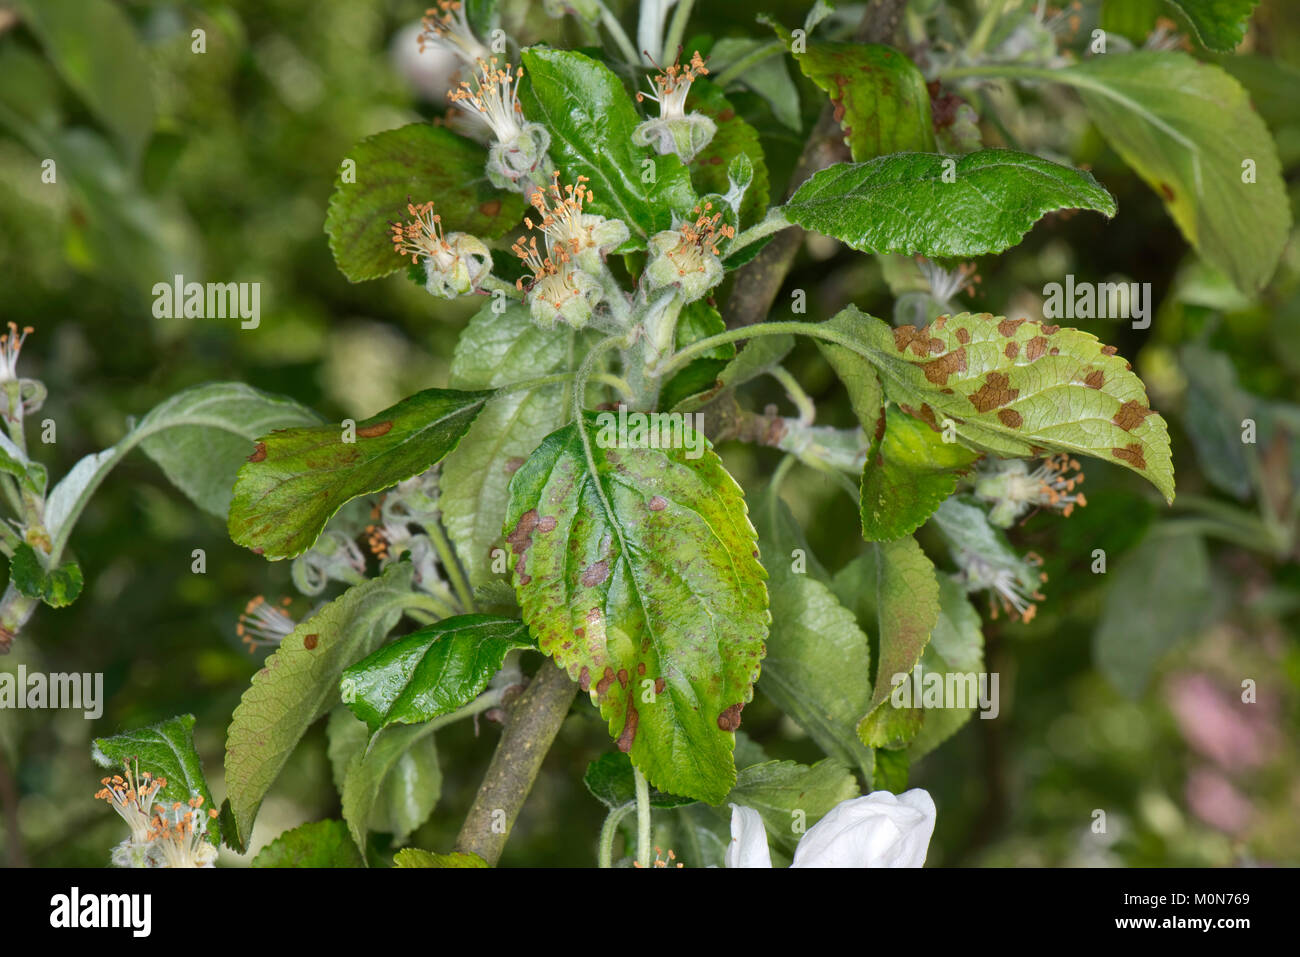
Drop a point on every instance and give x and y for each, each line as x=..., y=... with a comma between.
x=609, y=831
x=531, y=727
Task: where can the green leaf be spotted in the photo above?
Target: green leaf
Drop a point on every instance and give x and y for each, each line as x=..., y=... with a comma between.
x=298, y=685
x=637, y=571
x=610, y=780
x=415, y=857
x=907, y=608
x=866, y=395
x=733, y=137
x=818, y=664
x=1160, y=594
x=879, y=97
x=57, y=587
x=95, y=49
x=907, y=477
x=1220, y=24
x=433, y=671
x=493, y=351
x=792, y=797
x=1186, y=128
x=902, y=204
x=956, y=647
x=297, y=478
x=1018, y=388
x=166, y=750
x=591, y=119
x=1216, y=407
x=318, y=844
x=200, y=437
x=390, y=782
x=414, y=163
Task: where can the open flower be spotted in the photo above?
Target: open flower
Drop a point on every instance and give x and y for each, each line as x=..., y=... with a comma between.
x=559, y=290
x=517, y=157
x=454, y=263
x=179, y=836
x=674, y=130
x=1014, y=489
x=878, y=830
x=263, y=624
x=11, y=344
x=688, y=256
x=131, y=796
x=446, y=27
x=1012, y=582
x=585, y=237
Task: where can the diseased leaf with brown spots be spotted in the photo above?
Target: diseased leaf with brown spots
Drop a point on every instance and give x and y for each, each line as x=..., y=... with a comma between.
x=1018, y=388
x=637, y=570
x=295, y=479
x=879, y=96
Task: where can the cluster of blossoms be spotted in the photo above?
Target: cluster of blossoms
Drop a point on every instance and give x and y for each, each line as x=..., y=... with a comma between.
x=175, y=836
x=567, y=281
x=675, y=130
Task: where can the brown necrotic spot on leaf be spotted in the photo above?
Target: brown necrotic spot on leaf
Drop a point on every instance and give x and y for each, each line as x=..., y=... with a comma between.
x=1095, y=380
x=1008, y=327
x=547, y=524
x=1012, y=350
x=640, y=667
x=376, y=430
x=963, y=336
x=1035, y=348
x=660, y=684
x=1131, y=414
x=625, y=739
x=584, y=678
x=1050, y=330
x=310, y=641
x=1131, y=453
x=658, y=503
x=512, y=464
x=259, y=452
x=995, y=391
x=938, y=370
x=605, y=681
x=595, y=573
x=490, y=208
x=622, y=677
x=1108, y=350
x=918, y=339
x=729, y=720
x=1010, y=418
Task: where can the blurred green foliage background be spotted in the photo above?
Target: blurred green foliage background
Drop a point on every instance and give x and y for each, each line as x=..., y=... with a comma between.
x=218, y=166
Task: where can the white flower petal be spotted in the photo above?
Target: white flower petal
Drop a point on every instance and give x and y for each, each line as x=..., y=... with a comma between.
x=878, y=830
x=748, y=847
